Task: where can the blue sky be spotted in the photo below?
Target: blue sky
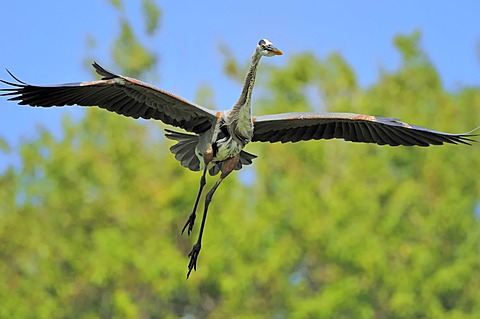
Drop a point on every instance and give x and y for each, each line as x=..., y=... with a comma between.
x=44, y=42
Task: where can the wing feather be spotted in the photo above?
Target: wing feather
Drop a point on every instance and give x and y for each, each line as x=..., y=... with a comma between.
x=310, y=131
x=352, y=131
x=377, y=136
x=388, y=136
x=294, y=127
x=329, y=130
x=366, y=135
x=319, y=132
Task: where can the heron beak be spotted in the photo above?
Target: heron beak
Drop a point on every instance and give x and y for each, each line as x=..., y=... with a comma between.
x=277, y=51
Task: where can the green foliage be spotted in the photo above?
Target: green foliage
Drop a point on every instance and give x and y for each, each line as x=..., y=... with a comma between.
x=152, y=15
x=4, y=145
x=117, y=4
x=131, y=54
x=90, y=224
x=231, y=67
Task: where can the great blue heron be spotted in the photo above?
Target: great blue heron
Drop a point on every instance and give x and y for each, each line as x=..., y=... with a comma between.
x=220, y=136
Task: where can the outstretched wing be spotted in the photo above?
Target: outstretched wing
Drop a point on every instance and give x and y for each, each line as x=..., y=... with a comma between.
x=119, y=94
x=294, y=127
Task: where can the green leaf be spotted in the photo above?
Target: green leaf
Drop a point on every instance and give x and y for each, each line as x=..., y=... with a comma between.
x=152, y=16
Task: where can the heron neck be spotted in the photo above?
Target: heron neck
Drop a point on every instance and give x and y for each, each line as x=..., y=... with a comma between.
x=245, y=96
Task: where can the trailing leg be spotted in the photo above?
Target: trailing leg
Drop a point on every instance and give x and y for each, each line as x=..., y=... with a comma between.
x=227, y=168
x=191, y=219
x=207, y=158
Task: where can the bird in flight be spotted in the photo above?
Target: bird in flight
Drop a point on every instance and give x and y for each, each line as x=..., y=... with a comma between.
x=217, y=138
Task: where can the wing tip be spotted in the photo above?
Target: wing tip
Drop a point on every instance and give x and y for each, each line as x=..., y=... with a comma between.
x=466, y=138
x=106, y=75
x=19, y=84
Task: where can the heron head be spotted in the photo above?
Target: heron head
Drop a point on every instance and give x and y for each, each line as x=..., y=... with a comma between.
x=266, y=48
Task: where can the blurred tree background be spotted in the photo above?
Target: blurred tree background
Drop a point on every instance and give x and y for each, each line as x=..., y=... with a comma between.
x=90, y=223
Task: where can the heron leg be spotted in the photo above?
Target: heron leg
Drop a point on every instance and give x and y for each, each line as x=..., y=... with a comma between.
x=191, y=219
x=207, y=158
x=227, y=168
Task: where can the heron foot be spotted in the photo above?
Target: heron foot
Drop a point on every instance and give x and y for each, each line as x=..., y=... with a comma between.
x=193, y=258
x=190, y=222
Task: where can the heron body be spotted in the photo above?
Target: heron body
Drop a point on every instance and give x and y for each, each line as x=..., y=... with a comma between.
x=217, y=138
x=235, y=127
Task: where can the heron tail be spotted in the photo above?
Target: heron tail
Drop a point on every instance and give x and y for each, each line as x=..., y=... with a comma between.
x=184, y=152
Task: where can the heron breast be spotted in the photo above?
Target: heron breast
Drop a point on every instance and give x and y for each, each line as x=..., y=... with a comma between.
x=227, y=148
